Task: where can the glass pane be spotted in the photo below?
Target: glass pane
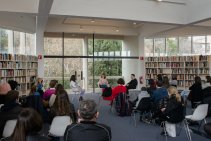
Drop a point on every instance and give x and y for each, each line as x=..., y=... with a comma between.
x=199, y=45
x=148, y=47
x=52, y=70
x=53, y=45
x=3, y=41
x=159, y=47
x=184, y=45
x=208, y=49
x=73, y=66
x=22, y=43
x=30, y=44
x=73, y=46
x=17, y=42
x=171, y=46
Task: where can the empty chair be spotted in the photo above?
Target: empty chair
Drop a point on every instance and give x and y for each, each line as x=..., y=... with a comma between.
x=199, y=114
x=9, y=128
x=59, y=125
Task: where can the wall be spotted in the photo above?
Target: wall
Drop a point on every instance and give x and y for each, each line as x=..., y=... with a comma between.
x=129, y=66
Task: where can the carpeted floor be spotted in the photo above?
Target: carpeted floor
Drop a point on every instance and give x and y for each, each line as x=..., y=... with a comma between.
x=123, y=128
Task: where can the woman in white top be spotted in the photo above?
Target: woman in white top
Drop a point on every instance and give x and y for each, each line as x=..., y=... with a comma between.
x=75, y=87
x=103, y=82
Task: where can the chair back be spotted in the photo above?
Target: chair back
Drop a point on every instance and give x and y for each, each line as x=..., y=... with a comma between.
x=200, y=112
x=9, y=128
x=59, y=125
x=52, y=100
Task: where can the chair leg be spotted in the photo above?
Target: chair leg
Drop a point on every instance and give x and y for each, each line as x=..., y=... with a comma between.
x=165, y=131
x=199, y=125
x=180, y=129
x=187, y=130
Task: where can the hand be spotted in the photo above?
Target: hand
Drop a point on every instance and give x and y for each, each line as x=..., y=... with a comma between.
x=163, y=109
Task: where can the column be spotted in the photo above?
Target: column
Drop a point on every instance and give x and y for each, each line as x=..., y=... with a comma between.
x=85, y=63
x=10, y=41
x=40, y=51
x=22, y=43
x=141, y=63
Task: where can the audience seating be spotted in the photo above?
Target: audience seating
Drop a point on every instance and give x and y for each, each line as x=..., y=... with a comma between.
x=9, y=128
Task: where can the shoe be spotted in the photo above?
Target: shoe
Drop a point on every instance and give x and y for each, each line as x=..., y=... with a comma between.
x=80, y=98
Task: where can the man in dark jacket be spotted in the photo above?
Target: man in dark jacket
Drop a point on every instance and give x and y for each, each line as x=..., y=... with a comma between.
x=10, y=109
x=133, y=83
x=87, y=129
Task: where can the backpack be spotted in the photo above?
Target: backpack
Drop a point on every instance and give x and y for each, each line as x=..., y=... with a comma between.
x=122, y=106
x=107, y=92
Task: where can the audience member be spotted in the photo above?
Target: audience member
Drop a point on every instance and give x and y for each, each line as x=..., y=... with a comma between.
x=133, y=83
x=13, y=84
x=33, y=90
x=103, y=82
x=53, y=96
x=166, y=82
x=75, y=87
x=87, y=129
x=207, y=83
x=174, y=81
x=152, y=86
x=29, y=123
x=62, y=106
x=159, y=93
x=4, y=88
x=58, y=88
x=39, y=86
x=195, y=95
x=159, y=78
x=10, y=109
x=51, y=90
x=143, y=94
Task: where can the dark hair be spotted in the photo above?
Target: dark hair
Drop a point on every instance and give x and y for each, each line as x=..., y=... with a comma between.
x=52, y=83
x=198, y=80
x=87, y=109
x=166, y=82
x=143, y=89
x=103, y=74
x=121, y=81
x=208, y=78
x=62, y=105
x=13, y=84
x=174, y=77
x=159, y=77
x=29, y=121
x=159, y=83
x=11, y=96
x=73, y=78
x=58, y=88
x=133, y=75
x=33, y=89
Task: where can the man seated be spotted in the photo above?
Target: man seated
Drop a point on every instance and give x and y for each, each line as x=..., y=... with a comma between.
x=87, y=129
x=133, y=83
x=159, y=93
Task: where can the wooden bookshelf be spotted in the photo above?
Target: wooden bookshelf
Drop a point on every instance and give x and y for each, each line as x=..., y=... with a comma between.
x=185, y=68
x=21, y=68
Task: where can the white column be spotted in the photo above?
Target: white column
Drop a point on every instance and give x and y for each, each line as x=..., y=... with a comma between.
x=22, y=43
x=141, y=63
x=10, y=41
x=85, y=64
x=40, y=51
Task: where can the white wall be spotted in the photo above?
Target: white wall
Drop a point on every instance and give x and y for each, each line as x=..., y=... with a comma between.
x=130, y=66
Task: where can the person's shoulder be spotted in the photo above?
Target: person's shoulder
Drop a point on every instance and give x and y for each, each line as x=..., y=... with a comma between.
x=103, y=126
x=37, y=138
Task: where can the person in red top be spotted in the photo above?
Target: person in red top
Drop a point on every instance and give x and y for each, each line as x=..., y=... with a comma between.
x=120, y=88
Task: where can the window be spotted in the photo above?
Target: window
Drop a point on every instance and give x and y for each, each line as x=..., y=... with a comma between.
x=30, y=44
x=53, y=45
x=184, y=46
x=73, y=46
x=149, y=50
x=171, y=46
x=199, y=45
x=17, y=42
x=4, y=41
x=208, y=48
x=160, y=47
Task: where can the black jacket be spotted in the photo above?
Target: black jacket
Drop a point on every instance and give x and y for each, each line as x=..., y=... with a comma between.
x=87, y=131
x=196, y=92
x=132, y=84
x=8, y=112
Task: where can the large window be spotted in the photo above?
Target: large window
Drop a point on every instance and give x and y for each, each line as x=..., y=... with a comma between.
x=171, y=46
x=149, y=48
x=199, y=45
x=53, y=46
x=185, y=45
x=3, y=40
x=30, y=44
x=73, y=47
x=208, y=47
x=159, y=47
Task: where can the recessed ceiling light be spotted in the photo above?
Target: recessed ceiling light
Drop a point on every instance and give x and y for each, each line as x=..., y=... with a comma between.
x=92, y=21
x=134, y=23
x=159, y=0
x=81, y=28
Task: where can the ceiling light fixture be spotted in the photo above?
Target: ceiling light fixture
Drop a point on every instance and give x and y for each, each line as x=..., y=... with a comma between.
x=81, y=28
x=159, y=0
x=134, y=23
x=92, y=21
x=117, y=29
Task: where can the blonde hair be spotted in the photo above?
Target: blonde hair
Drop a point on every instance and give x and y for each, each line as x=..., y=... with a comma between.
x=174, y=92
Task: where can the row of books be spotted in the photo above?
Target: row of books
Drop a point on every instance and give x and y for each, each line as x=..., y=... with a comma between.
x=6, y=73
x=5, y=56
x=32, y=65
x=177, y=59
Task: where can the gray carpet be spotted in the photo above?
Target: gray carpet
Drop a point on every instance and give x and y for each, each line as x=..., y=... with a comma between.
x=123, y=128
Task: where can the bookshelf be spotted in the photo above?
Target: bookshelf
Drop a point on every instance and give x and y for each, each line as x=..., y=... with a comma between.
x=185, y=68
x=21, y=68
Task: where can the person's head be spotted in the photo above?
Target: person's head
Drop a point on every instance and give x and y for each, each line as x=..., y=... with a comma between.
x=39, y=80
x=208, y=78
x=121, y=81
x=4, y=88
x=13, y=84
x=52, y=84
x=33, y=89
x=166, y=81
x=73, y=78
x=174, y=77
x=88, y=110
x=132, y=76
x=159, y=77
x=103, y=76
x=198, y=80
x=62, y=103
x=28, y=121
x=159, y=83
x=143, y=89
x=12, y=96
x=173, y=92
x=58, y=88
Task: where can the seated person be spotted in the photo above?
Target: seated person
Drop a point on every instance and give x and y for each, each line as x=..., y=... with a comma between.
x=76, y=87
x=159, y=93
x=87, y=129
x=4, y=88
x=29, y=123
x=103, y=82
x=133, y=83
x=143, y=94
x=152, y=86
x=13, y=84
x=33, y=90
x=174, y=82
x=120, y=88
x=51, y=90
x=207, y=83
x=10, y=109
